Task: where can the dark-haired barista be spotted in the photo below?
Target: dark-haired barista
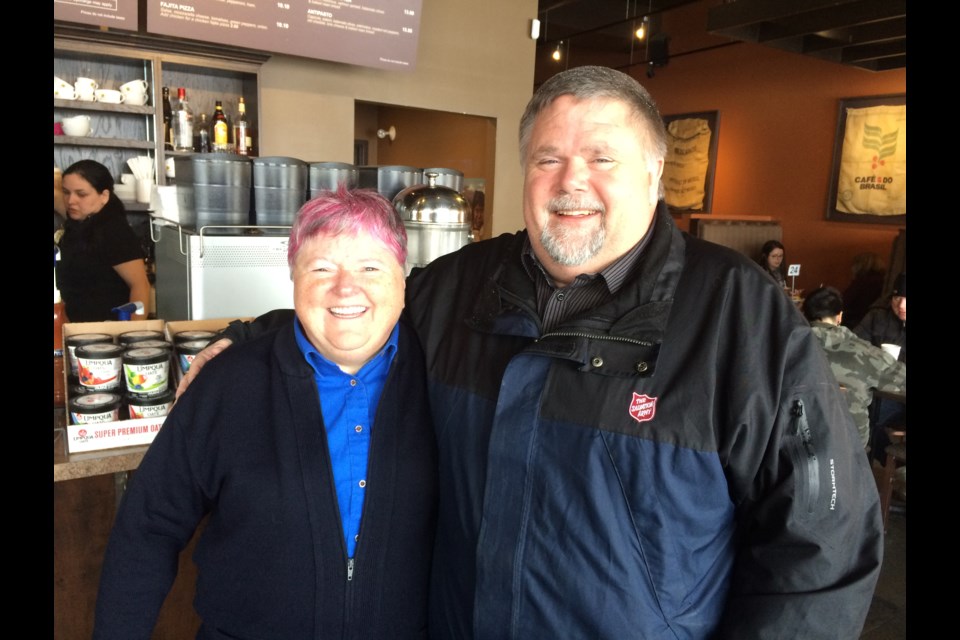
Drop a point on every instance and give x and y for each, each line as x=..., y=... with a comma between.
x=101, y=259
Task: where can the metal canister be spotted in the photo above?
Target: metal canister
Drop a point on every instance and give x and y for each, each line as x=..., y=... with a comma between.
x=437, y=220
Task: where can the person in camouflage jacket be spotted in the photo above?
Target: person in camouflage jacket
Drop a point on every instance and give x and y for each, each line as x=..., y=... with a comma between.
x=857, y=365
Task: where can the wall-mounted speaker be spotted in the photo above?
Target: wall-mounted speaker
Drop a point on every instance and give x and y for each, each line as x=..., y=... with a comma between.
x=659, y=49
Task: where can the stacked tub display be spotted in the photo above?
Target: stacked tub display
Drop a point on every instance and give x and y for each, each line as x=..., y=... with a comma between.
x=213, y=189
x=279, y=189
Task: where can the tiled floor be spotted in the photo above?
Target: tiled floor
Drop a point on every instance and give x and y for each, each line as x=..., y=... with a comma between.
x=887, y=619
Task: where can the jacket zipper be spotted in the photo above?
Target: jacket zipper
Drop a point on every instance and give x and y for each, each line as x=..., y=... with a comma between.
x=594, y=336
x=349, y=569
x=802, y=431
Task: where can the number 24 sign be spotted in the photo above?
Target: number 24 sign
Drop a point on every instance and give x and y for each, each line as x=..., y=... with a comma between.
x=793, y=270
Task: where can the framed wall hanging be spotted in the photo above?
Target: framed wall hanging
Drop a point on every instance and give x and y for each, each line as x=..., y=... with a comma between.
x=691, y=162
x=868, y=178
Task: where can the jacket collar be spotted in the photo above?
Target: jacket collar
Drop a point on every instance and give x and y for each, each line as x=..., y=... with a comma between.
x=639, y=310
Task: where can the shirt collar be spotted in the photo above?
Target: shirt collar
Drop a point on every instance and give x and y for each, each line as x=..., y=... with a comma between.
x=613, y=276
x=324, y=366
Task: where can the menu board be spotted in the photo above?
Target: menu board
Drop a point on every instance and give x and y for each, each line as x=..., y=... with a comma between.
x=116, y=14
x=370, y=33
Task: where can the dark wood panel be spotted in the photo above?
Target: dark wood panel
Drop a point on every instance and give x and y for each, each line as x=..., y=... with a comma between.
x=83, y=514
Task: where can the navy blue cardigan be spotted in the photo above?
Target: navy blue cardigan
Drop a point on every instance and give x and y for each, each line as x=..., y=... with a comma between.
x=246, y=445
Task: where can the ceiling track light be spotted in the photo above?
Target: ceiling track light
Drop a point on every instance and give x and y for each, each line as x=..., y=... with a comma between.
x=556, y=52
x=641, y=31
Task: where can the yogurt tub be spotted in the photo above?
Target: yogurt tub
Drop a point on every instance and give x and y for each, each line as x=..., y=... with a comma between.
x=79, y=390
x=187, y=351
x=100, y=366
x=155, y=407
x=146, y=370
x=129, y=338
x=95, y=408
x=195, y=334
x=79, y=340
x=154, y=344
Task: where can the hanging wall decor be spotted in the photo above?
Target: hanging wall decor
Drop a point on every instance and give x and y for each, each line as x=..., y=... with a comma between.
x=868, y=179
x=690, y=165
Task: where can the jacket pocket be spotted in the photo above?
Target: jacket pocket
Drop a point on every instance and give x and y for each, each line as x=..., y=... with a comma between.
x=804, y=457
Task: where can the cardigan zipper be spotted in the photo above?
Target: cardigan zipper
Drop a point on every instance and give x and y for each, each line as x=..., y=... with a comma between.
x=349, y=569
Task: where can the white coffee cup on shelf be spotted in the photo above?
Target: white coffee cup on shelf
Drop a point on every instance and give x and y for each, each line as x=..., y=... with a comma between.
x=85, y=89
x=109, y=96
x=64, y=93
x=60, y=83
x=135, y=92
x=892, y=349
x=78, y=126
x=138, y=99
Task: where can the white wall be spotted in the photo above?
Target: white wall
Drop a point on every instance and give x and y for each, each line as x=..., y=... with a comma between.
x=475, y=57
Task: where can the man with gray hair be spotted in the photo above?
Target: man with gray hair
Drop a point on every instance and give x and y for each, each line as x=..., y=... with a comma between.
x=625, y=451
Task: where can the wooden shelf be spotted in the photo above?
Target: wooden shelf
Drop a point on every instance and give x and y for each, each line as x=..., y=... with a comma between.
x=119, y=130
x=114, y=143
x=104, y=107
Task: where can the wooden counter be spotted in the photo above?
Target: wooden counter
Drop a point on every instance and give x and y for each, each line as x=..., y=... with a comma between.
x=87, y=488
x=67, y=466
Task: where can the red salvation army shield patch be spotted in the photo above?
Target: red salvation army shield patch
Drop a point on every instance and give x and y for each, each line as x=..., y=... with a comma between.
x=643, y=407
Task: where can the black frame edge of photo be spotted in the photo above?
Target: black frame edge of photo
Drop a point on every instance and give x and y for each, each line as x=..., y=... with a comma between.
x=842, y=106
x=713, y=121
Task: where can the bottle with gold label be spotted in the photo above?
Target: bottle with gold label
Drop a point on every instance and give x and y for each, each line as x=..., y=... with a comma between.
x=221, y=130
x=241, y=131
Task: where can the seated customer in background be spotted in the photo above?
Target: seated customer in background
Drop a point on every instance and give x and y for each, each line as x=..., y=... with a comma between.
x=771, y=261
x=864, y=289
x=887, y=324
x=285, y=442
x=856, y=364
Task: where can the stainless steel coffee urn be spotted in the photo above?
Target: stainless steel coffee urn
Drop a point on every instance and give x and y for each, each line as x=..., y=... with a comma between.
x=437, y=220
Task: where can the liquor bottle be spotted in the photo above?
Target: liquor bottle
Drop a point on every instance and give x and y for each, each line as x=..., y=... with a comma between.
x=167, y=119
x=241, y=134
x=221, y=130
x=183, y=123
x=59, y=318
x=202, y=139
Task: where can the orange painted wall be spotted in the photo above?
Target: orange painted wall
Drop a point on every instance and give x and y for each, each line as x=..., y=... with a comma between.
x=778, y=117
